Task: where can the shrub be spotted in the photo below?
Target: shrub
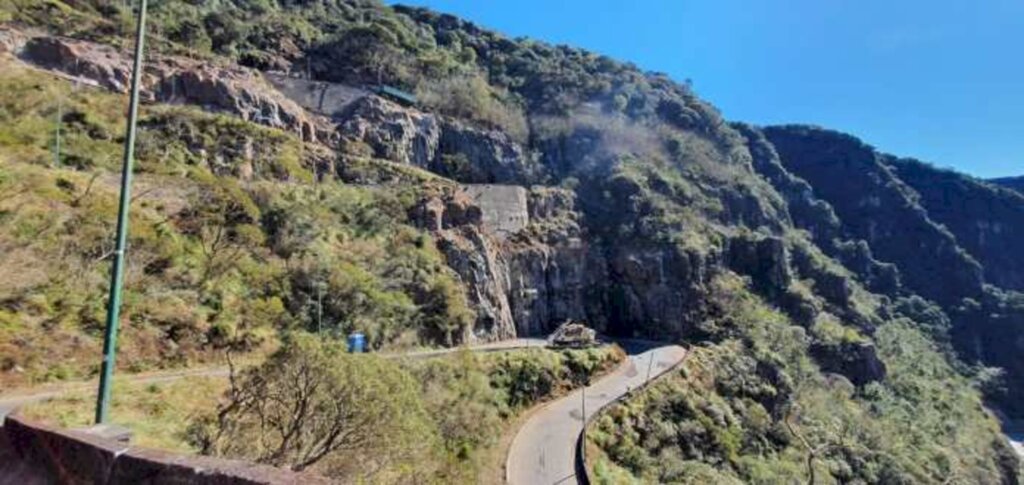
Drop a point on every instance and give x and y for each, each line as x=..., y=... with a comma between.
x=470, y=97
x=313, y=405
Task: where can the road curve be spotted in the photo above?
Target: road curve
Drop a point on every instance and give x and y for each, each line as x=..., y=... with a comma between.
x=544, y=450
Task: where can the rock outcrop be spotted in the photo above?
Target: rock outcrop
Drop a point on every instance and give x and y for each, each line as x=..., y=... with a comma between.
x=230, y=89
x=523, y=279
x=392, y=132
x=12, y=41
x=857, y=361
x=436, y=143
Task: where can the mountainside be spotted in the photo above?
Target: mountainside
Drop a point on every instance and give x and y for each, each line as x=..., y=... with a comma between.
x=1015, y=183
x=529, y=185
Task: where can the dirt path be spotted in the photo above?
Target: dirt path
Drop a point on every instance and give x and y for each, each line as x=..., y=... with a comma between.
x=544, y=450
x=43, y=393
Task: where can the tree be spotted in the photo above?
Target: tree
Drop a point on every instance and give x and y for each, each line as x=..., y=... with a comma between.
x=222, y=218
x=364, y=54
x=313, y=405
x=445, y=310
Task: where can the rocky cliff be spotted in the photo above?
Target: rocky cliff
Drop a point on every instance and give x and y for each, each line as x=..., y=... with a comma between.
x=176, y=80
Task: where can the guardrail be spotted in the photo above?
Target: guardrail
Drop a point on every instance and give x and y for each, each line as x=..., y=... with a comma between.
x=582, y=470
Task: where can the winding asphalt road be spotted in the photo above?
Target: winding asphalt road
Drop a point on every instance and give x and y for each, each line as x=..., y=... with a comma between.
x=544, y=450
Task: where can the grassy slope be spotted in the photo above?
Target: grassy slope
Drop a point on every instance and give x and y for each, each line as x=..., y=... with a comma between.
x=215, y=260
x=474, y=399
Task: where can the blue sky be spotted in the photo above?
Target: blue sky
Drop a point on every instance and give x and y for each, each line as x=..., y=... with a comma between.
x=941, y=80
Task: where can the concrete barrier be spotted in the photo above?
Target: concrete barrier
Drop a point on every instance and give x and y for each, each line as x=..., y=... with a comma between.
x=73, y=457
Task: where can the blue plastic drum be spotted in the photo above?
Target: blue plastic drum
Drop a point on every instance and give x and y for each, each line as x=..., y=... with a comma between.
x=356, y=343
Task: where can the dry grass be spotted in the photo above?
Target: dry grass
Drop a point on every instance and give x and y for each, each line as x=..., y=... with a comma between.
x=157, y=414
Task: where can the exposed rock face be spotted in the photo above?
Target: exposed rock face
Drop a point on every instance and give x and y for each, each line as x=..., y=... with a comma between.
x=477, y=259
x=527, y=281
x=12, y=41
x=239, y=91
x=494, y=157
x=233, y=90
x=766, y=260
x=550, y=283
x=858, y=362
x=393, y=132
x=448, y=147
x=817, y=216
x=650, y=291
x=100, y=63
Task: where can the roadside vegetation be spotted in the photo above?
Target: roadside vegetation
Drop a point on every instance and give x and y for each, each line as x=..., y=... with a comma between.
x=753, y=407
x=362, y=417
x=217, y=260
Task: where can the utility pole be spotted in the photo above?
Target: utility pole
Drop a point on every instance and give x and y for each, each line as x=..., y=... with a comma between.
x=117, y=272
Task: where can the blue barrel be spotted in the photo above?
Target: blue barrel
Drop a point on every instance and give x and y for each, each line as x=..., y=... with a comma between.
x=356, y=343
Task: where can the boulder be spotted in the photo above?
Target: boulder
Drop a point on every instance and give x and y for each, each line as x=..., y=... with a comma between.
x=574, y=335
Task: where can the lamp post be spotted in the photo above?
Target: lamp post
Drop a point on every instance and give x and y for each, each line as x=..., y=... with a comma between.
x=117, y=271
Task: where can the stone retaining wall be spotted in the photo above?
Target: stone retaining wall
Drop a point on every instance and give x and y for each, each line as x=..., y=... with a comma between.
x=72, y=457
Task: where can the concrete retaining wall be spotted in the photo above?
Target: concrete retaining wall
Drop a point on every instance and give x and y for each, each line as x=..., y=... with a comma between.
x=71, y=457
x=320, y=97
x=504, y=207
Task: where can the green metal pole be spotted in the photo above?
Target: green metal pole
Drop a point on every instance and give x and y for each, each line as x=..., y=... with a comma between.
x=117, y=272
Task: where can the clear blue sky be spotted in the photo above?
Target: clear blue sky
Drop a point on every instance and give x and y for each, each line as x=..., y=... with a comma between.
x=940, y=80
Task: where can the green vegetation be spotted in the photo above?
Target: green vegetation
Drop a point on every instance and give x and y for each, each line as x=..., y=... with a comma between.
x=230, y=243
x=440, y=418
x=457, y=67
x=694, y=230
x=755, y=408
x=317, y=406
x=473, y=398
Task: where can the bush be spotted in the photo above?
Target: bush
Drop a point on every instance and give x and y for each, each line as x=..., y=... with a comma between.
x=313, y=405
x=470, y=97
